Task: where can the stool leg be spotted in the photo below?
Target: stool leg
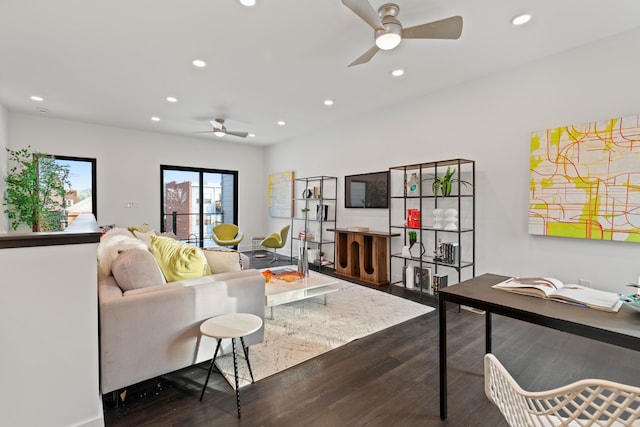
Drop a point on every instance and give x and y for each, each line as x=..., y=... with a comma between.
x=246, y=356
x=235, y=371
x=210, y=368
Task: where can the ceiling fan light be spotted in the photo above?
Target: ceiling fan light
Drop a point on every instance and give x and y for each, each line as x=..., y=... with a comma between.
x=389, y=37
x=219, y=133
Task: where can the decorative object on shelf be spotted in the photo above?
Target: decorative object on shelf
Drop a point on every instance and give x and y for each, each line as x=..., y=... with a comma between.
x=450, y=252
x=437, y=254
x=443, y=185
x=306, y=194
x=413, y=237
x=405, y=251
x=303, y=260
x=423, y=279
x=438, y=218
x=412, y=185
x=439, y=281
x=322, y=212
x=417, y=250
x=450, y=219
x=316, y=192
x=409, y=277
x=413, y=218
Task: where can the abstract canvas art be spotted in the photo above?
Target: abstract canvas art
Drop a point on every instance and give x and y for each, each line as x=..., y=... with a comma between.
x=585, y=180
x=281, y=194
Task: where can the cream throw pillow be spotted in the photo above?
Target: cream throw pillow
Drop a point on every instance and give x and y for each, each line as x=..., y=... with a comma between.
x=136, y=269
x=223, y=261
x=113, y=245
x=178, y=260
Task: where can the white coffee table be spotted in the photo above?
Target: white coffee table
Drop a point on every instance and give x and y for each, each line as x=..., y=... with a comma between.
x=279, y=292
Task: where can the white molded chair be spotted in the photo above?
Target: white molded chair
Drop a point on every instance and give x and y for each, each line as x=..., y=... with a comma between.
x=588, y=402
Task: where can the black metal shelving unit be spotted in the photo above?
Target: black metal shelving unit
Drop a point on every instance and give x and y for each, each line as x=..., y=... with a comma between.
x=457, y=267
x=309, y=193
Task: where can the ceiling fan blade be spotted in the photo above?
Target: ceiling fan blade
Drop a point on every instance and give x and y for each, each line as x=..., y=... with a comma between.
x=366, y=57
x=240, y=134
x=449, y=28
x=364, y=10
x=203, y=131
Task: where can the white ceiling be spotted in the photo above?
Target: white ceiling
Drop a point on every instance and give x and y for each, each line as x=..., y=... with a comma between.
x=114, y=62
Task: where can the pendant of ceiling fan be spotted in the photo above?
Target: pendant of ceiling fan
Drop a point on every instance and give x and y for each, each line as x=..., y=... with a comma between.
x=388, y=31
x=220, y=130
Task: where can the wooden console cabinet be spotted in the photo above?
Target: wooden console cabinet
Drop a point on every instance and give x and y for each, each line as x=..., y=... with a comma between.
x=362, y=255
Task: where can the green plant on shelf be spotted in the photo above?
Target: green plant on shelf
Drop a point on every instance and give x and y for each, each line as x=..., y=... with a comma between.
x=443, y=185
x=413, y=237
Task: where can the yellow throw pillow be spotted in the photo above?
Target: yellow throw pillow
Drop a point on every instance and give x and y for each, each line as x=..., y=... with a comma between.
x=177, y=260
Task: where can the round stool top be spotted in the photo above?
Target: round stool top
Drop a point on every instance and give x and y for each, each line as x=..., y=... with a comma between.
x=232, y=325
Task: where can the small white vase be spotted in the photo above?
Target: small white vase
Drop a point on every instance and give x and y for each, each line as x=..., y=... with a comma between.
x=450, y=219
x=437, y=218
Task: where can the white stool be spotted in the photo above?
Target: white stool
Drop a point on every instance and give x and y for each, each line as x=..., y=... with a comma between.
x=232, y=325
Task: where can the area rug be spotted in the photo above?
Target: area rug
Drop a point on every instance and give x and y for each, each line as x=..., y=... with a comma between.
x=305, y=329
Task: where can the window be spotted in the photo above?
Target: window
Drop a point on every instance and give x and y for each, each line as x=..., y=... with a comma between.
x=187, y=201
x=81, y=197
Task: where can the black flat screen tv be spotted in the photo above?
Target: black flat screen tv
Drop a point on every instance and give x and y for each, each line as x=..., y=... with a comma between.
x=367, y=190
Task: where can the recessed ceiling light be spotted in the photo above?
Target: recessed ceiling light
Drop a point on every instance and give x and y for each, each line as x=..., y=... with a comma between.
x=37, y=98
x=328, y=102
x=281, y=123
x=252, y=135
x=172, y=99
x=199, y=63
x=155, y=119
x=523, y=18
x=397, y=73
x=248, y=3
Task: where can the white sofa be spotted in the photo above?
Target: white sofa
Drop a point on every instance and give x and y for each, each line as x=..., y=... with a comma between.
x=153, y=329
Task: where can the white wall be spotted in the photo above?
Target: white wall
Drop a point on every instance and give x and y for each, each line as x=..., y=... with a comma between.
x=489, y=121
x=3, y=163
x=128, y=166
x=48, y=325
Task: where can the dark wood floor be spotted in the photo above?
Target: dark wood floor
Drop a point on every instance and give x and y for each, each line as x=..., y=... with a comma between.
x=386, y=379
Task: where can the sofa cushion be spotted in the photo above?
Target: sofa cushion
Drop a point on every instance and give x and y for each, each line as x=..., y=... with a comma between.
x=178, y=260
x=113, y=245
x=222, y=261
x=136, y=269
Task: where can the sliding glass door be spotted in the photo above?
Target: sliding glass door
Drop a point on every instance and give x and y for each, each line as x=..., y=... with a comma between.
x=194, y=200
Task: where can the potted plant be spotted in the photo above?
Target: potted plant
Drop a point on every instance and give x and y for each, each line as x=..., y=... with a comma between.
x=35, y=190
x=443, y=185
x=413, y=238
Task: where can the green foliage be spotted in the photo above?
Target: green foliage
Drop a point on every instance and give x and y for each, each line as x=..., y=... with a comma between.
x=35, y=190
x=413, y=236
x=443, y=184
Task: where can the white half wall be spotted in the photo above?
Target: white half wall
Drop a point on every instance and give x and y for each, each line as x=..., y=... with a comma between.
x=48, y=325
x=128, y=166
x=489, y=120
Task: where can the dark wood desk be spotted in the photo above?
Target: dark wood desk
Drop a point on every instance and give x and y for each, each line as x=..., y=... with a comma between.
x=621, y=329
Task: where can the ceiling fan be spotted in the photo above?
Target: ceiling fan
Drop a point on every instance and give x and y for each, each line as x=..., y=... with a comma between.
x=220, y=130
x=389, y=32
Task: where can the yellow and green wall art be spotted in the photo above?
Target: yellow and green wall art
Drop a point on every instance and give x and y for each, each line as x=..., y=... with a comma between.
x=585, y=180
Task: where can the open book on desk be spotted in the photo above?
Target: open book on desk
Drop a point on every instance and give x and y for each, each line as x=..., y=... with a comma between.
x=554, y=289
